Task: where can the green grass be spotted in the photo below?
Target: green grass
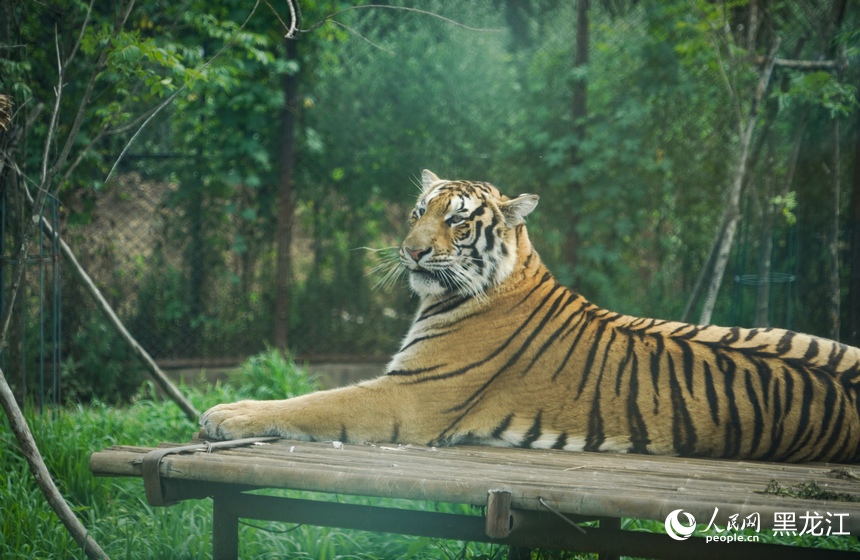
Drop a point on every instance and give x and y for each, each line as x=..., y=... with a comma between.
x=116, y=512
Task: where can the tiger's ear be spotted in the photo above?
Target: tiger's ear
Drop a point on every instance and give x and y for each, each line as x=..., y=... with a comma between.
x=516, y=209
x=428, y=179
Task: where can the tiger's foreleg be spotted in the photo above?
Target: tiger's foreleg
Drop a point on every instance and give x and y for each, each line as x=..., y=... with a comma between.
x=373, y=411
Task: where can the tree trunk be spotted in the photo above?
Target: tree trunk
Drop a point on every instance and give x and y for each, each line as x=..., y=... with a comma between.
x=770, y=213
x=762, y=296
x=833, y=248
x=854, y=228
x=286, y=203
x=579, y=111
x=733, y=202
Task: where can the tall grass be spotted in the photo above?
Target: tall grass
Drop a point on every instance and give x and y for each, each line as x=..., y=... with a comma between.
x=126, y=526
x=115, y=509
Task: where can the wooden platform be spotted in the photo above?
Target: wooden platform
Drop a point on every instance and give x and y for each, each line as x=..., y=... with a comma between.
x=532, y=498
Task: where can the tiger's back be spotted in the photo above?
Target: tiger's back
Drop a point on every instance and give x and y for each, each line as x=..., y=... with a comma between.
x=540, y=366
x=502, y=354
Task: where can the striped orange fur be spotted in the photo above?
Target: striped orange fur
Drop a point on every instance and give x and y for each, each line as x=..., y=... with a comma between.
x=502, y=354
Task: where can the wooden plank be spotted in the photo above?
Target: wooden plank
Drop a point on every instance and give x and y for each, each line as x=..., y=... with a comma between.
x=589, y=484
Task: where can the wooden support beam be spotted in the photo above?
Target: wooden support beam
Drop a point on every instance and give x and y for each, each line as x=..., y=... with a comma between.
x=499, y=518
x=225, y=526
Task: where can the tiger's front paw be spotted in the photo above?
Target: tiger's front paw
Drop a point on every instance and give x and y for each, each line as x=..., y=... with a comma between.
x=236, y=420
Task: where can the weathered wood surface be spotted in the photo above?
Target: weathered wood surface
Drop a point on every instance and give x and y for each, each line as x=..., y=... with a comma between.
x=588, y=484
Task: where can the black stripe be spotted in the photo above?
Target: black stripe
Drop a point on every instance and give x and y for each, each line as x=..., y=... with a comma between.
x=789, y=390
x=418, y=339
x=777, y=424
x=408, y=372
x=751, y=335
x=498, y=351
x=784, y=344
x=534, y=432
x=655, y=370
x=732, y=441
x=595, y=436
x=479, y=211
x=489, y=235
x=803, y=427
x=502, y=427
x=560, y=442
x=552, y=338
x=758, y=419
x=731, y=337
x=677, y=332
x=622, y=364
x=765, y=375
x=343, y=437
x=495, y=353
x=711, y=393
x=395, y=432
x=638, y=430
x=592, y=354
x=836, y=355
x=828, y=451
x=442, y=307
x=849, y=377
x=687, y=362
x=550, y=314
x=683, y=431
x=583, y=316
x=528, y=260
x=811, y=350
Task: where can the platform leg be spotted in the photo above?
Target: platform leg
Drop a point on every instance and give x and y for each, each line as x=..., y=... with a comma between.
x=225, y=527
x=613, y=523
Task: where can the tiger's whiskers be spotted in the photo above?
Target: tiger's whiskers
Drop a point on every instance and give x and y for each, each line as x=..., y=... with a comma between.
x=389, y=264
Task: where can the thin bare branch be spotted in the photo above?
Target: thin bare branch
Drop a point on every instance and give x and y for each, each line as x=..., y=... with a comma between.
x=43, y=477
x=360, y=36
x=295, y=19
x=49, y=137
x=79, y=117
x=402, y=8
x=119, y=23
x=104, y=131
x=85, y=100
x=804, y=64
x=80, y=37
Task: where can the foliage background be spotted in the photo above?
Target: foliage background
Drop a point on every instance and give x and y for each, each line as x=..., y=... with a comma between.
x=178, y=223
x=183, y=235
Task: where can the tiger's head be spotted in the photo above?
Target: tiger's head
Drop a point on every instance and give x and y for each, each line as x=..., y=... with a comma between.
x=462, y=237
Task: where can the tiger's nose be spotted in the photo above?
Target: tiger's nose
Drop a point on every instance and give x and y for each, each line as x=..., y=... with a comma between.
x=416, y=254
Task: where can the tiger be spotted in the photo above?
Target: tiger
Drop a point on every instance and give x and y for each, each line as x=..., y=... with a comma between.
x=500, y=353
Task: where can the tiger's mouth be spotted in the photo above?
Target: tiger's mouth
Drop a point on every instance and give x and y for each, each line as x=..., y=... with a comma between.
x=422, y=272
x=437, y=276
